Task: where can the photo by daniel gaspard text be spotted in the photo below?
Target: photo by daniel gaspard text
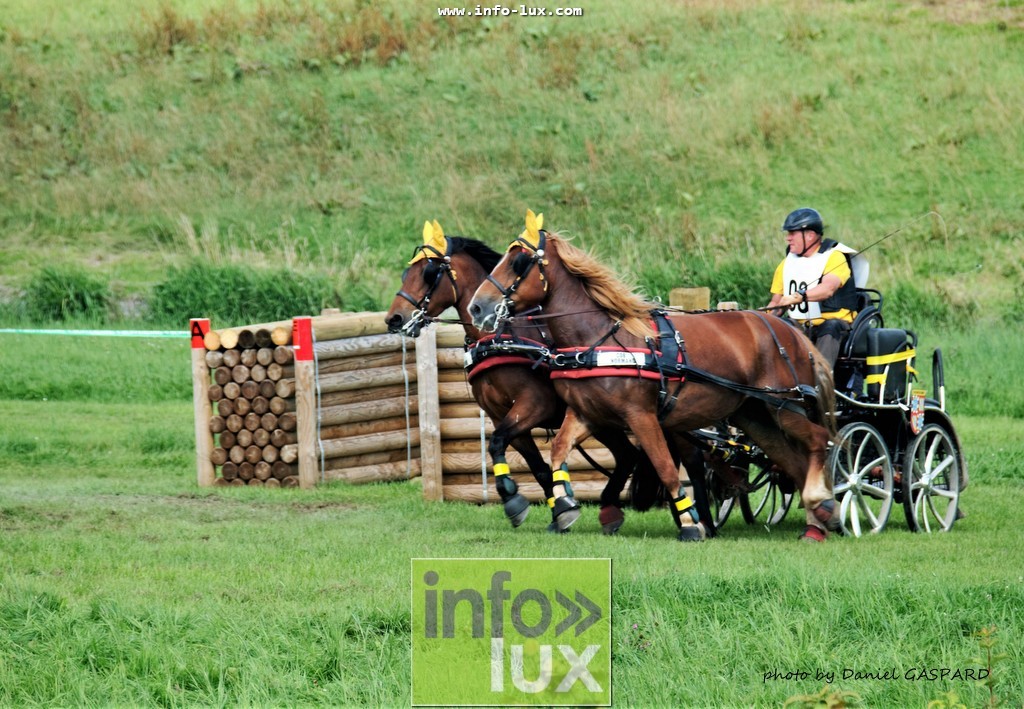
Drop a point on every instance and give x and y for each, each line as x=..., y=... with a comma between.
x=913, y=674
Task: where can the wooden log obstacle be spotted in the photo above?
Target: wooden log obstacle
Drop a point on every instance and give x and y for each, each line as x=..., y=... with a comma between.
x=337, y=397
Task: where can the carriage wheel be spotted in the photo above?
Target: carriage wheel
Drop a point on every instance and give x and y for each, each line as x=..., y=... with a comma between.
x=862, y=479
x=718, y=497
x=768, y=503
x=931, y=480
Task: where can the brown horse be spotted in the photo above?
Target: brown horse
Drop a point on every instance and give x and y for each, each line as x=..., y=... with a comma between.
x=514, y=390
x=752, y=370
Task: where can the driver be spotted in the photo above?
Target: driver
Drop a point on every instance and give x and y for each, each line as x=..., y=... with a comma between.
x=814, y=283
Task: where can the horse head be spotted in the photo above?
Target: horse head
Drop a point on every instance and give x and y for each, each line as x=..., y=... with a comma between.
x=519, y=281
x=442, y=273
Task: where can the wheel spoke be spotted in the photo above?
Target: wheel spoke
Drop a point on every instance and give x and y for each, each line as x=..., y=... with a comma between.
x=844, y=511
x=947, y=462
x=877, y=493
x=940, y=518
x=863, y=470
x=868, y=512
x=854, y=518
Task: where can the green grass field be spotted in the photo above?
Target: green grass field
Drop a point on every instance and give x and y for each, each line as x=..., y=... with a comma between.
x=124, y=584
x=314, y=137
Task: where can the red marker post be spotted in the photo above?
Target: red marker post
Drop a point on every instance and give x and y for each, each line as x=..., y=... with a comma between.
x=205, y=472
x=305, y=399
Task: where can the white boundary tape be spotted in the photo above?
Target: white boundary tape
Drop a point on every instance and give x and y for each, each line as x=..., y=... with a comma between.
x=100, y=333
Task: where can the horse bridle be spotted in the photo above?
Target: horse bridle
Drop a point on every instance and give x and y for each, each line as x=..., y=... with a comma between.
x=443, y=264
x=521, y=266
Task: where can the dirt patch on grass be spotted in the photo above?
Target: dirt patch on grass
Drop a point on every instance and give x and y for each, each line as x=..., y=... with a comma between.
x=974, y=12
x=321, y=505
x=25, y=517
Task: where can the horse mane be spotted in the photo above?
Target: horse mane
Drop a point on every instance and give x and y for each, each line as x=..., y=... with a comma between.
x=605, y=288
x=477, y=250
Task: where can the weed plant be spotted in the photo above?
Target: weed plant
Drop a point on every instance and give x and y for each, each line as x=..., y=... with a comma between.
x=64, y=293
x=235, y=295
x=158, y=147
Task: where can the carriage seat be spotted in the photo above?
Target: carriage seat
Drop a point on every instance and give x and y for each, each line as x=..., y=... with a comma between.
x=873, y=355
x=869, y=315
x=889, y=363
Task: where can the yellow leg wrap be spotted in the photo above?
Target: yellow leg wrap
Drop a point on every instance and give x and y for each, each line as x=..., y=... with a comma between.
x=683, y=504
x=501, y=469
x=560, y=476
x=551, y=502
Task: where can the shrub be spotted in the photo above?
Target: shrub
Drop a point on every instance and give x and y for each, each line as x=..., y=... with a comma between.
x=745, y=282
x=63, y=293
x=907, y=306
x=237, y=295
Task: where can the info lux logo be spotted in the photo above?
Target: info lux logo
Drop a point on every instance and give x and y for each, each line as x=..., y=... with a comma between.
x=511, y=632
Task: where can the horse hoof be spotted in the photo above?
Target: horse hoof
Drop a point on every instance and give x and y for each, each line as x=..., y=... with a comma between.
x=611, y=519
x=553, y=529
x=694, y=533
x=826, y=514
x=516, y=509
x=565, y=512
x=813, y=534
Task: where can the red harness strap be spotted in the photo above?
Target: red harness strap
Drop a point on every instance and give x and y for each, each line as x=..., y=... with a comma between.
x=487, y=353
x=502, y=361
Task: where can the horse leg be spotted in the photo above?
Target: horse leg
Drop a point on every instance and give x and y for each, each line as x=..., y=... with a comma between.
x=692, y=458
x=625, y=453
x=565, y=510
x=798, y=446
x=510, y=431
x=527, y=448
x=516, y=506
x=652, y=440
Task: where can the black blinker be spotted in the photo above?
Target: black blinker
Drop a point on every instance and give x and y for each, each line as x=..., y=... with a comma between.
x=521, y=263
x=431, y=271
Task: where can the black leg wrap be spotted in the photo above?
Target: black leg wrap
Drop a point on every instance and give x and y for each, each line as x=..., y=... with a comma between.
x=516, y=506
x=687, y=533
x=565, y=513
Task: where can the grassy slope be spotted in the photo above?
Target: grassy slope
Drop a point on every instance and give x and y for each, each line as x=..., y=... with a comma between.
x=686, y=132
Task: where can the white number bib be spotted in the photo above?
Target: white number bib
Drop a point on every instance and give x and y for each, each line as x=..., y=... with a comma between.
x=800, y=274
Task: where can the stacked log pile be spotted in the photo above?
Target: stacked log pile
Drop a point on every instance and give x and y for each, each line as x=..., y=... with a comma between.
x=252, y=398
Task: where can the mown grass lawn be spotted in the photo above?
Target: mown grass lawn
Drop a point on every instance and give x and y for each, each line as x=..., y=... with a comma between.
x=123, y=583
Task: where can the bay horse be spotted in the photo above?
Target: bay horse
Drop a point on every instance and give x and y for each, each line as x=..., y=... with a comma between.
x=514, y=391
x=750, y=370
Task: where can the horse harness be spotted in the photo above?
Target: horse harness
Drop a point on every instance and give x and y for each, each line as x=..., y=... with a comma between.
x=664, y=360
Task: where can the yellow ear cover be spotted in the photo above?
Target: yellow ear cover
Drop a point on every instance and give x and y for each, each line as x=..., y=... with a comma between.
x=433, y=236
x=534, y=223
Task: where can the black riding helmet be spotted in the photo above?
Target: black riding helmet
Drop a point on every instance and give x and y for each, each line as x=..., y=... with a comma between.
x=804, y=218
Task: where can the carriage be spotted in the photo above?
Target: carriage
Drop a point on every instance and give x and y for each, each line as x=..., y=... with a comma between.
x=753, y=385
x=895, y=444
